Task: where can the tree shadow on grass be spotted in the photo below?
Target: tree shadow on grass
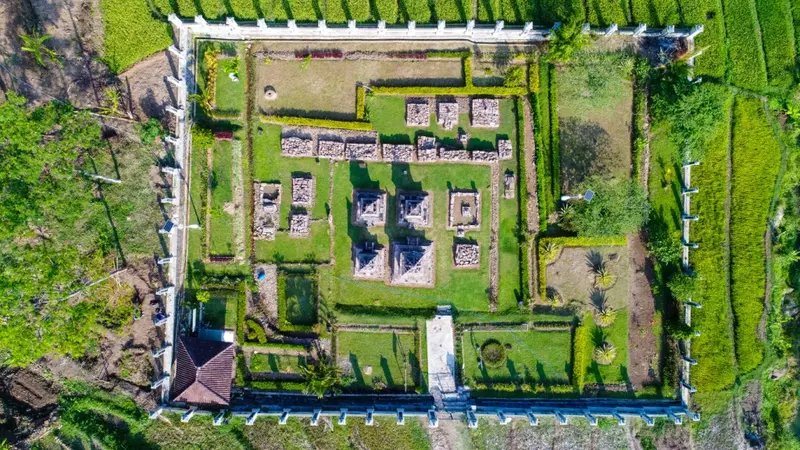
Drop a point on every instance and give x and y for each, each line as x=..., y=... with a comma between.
x=584, y=148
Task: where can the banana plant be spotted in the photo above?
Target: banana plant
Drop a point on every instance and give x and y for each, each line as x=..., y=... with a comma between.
x=34, y=44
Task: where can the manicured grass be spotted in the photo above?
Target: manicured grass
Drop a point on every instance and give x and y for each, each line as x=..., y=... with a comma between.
x=606, y=12
x=712, y=39
x=463, y=288
x=535, y=356
x=387, y=114
x=131, y=33
x=197, y=200
x=655, y=13
x=220, y=311
x=452, y=10
x=221, y=193
x=269, y=362
x=756, y=161
x=748, y=69
x=777, y=32
x=392, y=356
x=617, y=335
x=508, y=291
x=301, y=302
x=284, y=249
x=665, y=182
x=713, y=349
x=230, y=94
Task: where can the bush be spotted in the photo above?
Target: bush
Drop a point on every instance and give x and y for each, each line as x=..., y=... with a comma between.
x=202, y=138
x=605, y=354
x=493, y=353
x=361, y=102
x=275, y=345
x=580, y=343
x=443, y=90
x=255, y=332
x=618, y=207
x=150, y=130
x=322, y=123
x=514, y=77
x=533, y=77
x=682, y=286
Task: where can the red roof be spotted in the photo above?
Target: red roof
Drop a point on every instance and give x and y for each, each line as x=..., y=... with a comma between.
x=203, y=372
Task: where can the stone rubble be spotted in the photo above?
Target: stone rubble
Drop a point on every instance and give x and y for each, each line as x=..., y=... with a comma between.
x=299, y=224
x=362, y=152
x=398, y=153
x=504, y=149
x=451, y=154
x=330, y=149
x=484, y=156
x=464, y=210
x=418, y=114
x=509, y=184
x=467, y=255
x=426, y=149
x=485, y=112
x=447, y=115
x=296, y=147
x=303, y=191
x=266, y=210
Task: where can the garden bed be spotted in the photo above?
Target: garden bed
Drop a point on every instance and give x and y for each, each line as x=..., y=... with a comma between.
x=380, y=360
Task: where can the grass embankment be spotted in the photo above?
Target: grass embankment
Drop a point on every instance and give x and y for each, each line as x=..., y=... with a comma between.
x=748, y=69
x=713, y=349
x=755, y=159
x=131, y=33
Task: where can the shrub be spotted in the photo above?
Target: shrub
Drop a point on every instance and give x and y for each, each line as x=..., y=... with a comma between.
x=361, y=102
x=386, y=10
x=150, y=130
x=605, y=354
x=202, y=137
x=605, y=316
x=604, y=279
x=580, y=343
x=618, y=207
x=493, y=353
x=497, y=91
x=514, y=77
x=322, y=123
x=682, y=286
x=255, y=332
x=567, y=40
x=533, y=77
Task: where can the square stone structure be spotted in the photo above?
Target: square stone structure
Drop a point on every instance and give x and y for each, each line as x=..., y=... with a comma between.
x=464, y=210
x=509, y=184
x=369, y=208
x=447, y=115
x=414, y=209
x=299, y=224
x=485, y=112
x=369, y=262
x=426, y=149
x=330, y=149
x=398, y=152
x=418, y=113
x=266, y=211
x=362, y=152
x=303, y=190
x=466, y=256
x=413, y=263
x=505, y=149
x=297, y=147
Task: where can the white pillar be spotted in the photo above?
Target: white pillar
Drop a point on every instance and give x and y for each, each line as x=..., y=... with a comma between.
x=586, y=28
x=412, y=26
x=315, y=417
x=218, y=418
x=401, y=416
x=647, y=419
x=504, y=420
x=199, y=20
x=187, y=416
x=470, y=26
x=641, y=28
x=322, y=26
x=440, y=26
x=620, y=419
x=433, y=421
x=251, y=419
x=261, y=24
x=351, y=25
x=179, y=54
x=592, y=419
x=498, y=26
x=284, y=417
x=472, y=419
x=155, y=413
x=381, y=26
x=532, y=418
x=527, y=28
x=179, y=113
x=562, y=419
x=343, y=417
x=668, y=30
x=175, y=81
x=167, y=260
x=231, y=23
x=292, y=25
x=369, y=420
x=697, y=29
x=169, y=290
x=611, y=29
x=175, y=20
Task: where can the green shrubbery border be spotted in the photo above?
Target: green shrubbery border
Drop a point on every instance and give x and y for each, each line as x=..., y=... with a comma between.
x=555, y=150
x=369, y=310
x=498, y=91
x=522, y=196
x=523, y=387
x=321, y=123
x=266, y=385
x=283, y=321
x=361, y=102
x=580, y=341
x=275, y=345
x=570, y=242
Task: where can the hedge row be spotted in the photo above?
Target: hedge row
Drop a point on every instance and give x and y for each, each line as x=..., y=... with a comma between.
x=555, y=149
x=716, y=367
x=518, y=11
x=639, y=134
x=533, y=77
x=489, y=10
x=655, y=13
x=361, y=102
x=570, y=242
x=523, y=387
x=755, y=163
x=580, y=354
x=321, y=123
x=255, y=332
x=275, y=345
x=371, y=310
x=466, y=63
x=242, y=381
x=385, y=10
x=606, y=12
x=497, y=91
x=452, y=10
x=748, y=69
x=541, y=132
x=712, y=39
x=775, y=18
x=522, y=195
x=451, y=54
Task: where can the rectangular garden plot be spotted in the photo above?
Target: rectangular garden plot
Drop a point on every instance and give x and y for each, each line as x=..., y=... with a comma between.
x=219, y=315
x=517, y=356
x=379, y=360
x=222, y=206
x=297, y=297
x=275, y=363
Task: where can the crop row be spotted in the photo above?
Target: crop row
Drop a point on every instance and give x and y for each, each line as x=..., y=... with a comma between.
x=755, y=163
x=655, y=12
x=775, y=17
x=712, y=39
x=746, y=54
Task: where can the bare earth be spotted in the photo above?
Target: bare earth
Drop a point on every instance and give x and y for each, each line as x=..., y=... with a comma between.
x=643, y=348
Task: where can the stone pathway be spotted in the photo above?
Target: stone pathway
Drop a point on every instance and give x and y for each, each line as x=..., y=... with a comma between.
x=530, y=169
x=268, y=293
x=441, y=354
x=494, y=250
x=238, y=200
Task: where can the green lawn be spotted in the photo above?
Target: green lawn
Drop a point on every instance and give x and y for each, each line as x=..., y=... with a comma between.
x=387, y=114
x=269, y=166
x=268, y=362
x=197, y=196
x=230, y=94
x=221, y=193
x=538, y=356
x=220, y=311
x=617, y=335
x=466, y=289
x=392, y=358
x=508, y=290
x=300, y=299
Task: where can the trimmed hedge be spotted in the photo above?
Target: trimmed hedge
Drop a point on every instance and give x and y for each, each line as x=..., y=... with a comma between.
x=385, y=10
x=555, y=150
x=522, y=196
x=523, y=387
x=361, y=102
x=606, y=12
x=451, y=10
x=580, y=354
x=467, y=64
x=454, y=54
x=517, y=11
x=570, y=242
x=241, y=380
x=418, y=10
x=321, y=123
x=756, y=157
x=775, y=18
x=541, y=132
x=748, y=68
x=498, y=91
x=255, y=332
x=275, y=345
x=369, y=310
x=533, y=77
x=489, y=10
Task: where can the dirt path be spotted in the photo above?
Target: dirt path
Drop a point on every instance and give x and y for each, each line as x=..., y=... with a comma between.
x=209, y=165
x=643, y=346
x=268, y=295
x=494, y=250
x=530, y=169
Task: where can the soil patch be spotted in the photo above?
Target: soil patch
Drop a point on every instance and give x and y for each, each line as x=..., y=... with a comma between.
x=573, y=277
x=644, y=346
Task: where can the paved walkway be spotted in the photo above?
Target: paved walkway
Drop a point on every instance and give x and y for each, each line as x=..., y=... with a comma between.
x=441, y=354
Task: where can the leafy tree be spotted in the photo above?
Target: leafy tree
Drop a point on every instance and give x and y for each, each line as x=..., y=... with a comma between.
x=665, y=247
x=203, y=296
x=682, y=286
x=321, y=378
x=202, y=137
x=150, y=130
x=618, y=207
x=34, y=44
x=567, y=40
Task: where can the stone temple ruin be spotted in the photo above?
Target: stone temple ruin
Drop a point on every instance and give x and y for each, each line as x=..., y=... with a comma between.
x=447, y=115
x=398, y=152
x=330, y=149
x=466, y=255
x=296, y=147
x=426, y=149
x=485, y=112
x=414, y=209
x=362, y=152
x=266, y=214
x=369, y=208
x=299, y=224
x=504, y=149
x=464, y=211
x=413, y=263
x=369, y=261
x=303, y=190
x=509, y=184
x=418, y=113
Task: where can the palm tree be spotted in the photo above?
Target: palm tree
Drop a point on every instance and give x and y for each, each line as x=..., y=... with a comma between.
x=321, y=378
x=605, y=354
x=605, y=317
x=34, y=44
x=604, y=278
x=551, y=251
